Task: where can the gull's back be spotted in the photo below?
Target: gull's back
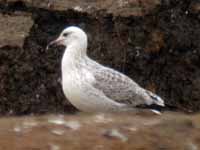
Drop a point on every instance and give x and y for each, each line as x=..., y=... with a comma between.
x=120, y=87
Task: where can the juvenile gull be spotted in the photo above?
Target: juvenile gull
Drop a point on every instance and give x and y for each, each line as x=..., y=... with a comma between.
x=92, y=87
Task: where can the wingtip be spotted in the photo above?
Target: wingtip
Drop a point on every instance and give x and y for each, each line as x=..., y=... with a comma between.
x=160, y=102
x=156, y=99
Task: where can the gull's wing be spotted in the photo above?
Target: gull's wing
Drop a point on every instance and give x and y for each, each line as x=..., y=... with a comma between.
x=120, y=87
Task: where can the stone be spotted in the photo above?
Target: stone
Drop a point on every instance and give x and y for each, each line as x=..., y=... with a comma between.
x=14, y=30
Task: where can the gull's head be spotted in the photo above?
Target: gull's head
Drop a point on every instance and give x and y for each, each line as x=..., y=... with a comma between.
x=71, y=36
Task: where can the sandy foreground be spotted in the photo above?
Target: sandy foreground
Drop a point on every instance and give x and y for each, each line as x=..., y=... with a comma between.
x=101, y=131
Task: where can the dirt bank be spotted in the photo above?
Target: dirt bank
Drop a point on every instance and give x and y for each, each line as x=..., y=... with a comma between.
x=157, y=43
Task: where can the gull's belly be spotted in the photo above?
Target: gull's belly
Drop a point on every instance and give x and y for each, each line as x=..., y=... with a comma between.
x=84, y=99
x=71, y=90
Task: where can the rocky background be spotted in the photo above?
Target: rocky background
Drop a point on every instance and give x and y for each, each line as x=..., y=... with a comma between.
x=155, y=42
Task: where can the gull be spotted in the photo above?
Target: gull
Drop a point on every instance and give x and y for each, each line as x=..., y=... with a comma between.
x=92, y=87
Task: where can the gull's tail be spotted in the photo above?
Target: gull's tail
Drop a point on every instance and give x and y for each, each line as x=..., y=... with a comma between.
x=156, y=99
x=151, y=101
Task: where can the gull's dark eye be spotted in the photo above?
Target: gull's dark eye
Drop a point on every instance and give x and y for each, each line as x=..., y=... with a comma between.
x=65, y=34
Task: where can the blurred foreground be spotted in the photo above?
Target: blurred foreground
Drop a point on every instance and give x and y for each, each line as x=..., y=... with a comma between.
x=169, y=131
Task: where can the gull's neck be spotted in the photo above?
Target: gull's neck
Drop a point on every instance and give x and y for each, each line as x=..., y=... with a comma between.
x=73, y=55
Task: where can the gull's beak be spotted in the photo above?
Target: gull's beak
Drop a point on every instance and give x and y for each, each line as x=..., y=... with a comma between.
x=58, y=41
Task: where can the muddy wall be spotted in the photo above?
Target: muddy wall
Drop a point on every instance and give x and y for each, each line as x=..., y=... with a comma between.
x=156, y=42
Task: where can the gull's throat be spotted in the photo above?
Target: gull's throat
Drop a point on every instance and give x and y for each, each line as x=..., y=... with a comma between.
x=72, y=57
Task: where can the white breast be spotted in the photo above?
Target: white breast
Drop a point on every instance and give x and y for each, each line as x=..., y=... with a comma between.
x=71, y=87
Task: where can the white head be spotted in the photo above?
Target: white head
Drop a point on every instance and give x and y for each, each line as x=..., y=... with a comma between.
x=71, y=36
